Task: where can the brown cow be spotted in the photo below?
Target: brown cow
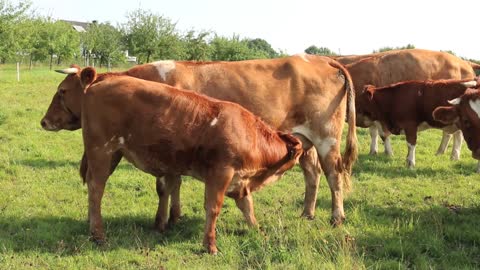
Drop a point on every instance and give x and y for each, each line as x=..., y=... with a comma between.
x=464, y=112
x=163, y=130
x=385, y=68
x=408, y=107
x=305, y=94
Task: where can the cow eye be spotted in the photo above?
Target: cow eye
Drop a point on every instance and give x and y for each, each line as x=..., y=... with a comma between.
x=61, y=92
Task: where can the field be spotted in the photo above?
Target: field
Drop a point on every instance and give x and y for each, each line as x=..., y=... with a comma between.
x=426, y=218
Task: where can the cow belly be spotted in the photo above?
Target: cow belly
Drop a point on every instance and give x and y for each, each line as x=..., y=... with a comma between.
x=146, y=161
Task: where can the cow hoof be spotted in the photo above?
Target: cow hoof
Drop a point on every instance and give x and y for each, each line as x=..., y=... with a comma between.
x=455, y=158
x=389, y=153
x=335, y=222
x=161, y=228
x=98, y=240
x=410, y=165
x=212, y=250
x=373, y=152
x=308, y=216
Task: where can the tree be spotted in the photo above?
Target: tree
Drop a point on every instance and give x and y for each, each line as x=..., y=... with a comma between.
x=10, y=17
x=196, y=46
x=105, y=42
x=385, y=49
x=262, y=48
x=149, y=35
x=232, y=49
x=319, y=50
x=57, y=39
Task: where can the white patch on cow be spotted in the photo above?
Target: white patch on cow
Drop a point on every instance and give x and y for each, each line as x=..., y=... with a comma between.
x=411, y=155
x=475, y=105
x=455, y=101
x=214, y=122
x=388, y=146
x=374, y=139
x=304, y=56
x=161, y=181
x=329, y=127
x=470, y=84
x=164, y=67
x=105, y=145
x=121, y=140
x=324, y=146
x=457, y=145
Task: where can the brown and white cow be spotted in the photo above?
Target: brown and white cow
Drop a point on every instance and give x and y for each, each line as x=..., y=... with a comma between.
x=385, y=68
x=464, y=112
x=407, y=107
x=163, y=130
x=304, y=94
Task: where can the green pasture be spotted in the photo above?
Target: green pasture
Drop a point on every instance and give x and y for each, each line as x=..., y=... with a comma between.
x=426, y=218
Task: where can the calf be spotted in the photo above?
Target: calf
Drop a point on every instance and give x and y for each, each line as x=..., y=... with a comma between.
x=464, y=112
x=408, y=106
x=166, y=131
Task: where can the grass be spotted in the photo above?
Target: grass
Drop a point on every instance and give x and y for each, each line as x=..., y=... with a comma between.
x=426, y=218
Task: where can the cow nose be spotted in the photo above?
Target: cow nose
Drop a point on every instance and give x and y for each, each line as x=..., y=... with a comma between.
x=43, y=123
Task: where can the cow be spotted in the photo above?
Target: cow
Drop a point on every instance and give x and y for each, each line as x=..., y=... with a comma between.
x=164, y=130
x=306, y=94
x=464, y=112
x=384, y=68
x=408, y=106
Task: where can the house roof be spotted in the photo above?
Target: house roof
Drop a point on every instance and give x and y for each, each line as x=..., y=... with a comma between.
x=78, y=26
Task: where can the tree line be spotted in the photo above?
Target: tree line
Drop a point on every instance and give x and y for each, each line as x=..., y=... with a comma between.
x=29, y=38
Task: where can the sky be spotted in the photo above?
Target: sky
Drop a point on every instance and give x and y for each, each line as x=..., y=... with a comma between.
x=345, y=26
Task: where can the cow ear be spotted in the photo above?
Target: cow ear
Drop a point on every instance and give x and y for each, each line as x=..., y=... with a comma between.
x=369, y=90
x=87, y=76
x=447, y=115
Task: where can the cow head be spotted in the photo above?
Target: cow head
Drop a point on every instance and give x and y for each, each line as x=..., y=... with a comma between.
x=366, y=109
x=65, y=109
x=465, y=113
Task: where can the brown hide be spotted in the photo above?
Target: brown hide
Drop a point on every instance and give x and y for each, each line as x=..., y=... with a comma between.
x=404, y=106
x=304, y=93
x=163, y=130
x=390, y=67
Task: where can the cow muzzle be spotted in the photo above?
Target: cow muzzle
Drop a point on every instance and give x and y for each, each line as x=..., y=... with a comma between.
x=48, y=126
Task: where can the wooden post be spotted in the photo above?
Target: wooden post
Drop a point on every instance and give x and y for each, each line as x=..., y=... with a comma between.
x=18, y=71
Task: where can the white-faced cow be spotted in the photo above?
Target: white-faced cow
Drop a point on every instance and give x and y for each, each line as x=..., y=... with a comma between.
x=385, y=68
x=407, y=107
x=464, y=112
x=303, y=94
x=163, y=130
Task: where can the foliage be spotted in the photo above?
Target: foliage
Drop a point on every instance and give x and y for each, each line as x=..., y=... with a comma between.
x=196, y=46
x=233, y=49
x=262, y=47
x=426, y=218
x=149, y=35
x=105, y=42
x=384, y=49
x=319, y=50
x=11, y=15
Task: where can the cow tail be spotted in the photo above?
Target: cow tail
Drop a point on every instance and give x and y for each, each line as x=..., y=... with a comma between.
x=351, y=148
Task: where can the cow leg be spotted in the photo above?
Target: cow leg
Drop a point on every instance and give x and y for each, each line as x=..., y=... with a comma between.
x=374, y=140
x=457, y=145
x=245, y=204
x=443, y=145
x=385, y=135
x=331, y=162
x=175, y=207
x=388, y=146
x=215, y=187
x=97, y=175
x=411, y=136
x=165, y=186
x=311, y=171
